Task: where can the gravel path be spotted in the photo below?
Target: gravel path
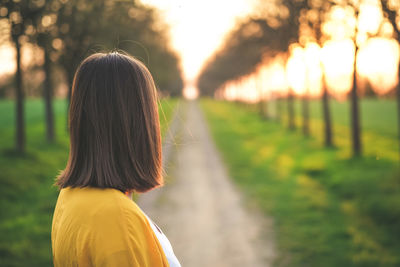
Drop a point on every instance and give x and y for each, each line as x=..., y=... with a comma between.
x=199, y=209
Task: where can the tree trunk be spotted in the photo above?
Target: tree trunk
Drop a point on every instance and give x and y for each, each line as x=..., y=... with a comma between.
x=327, y=117
x=70, y=80
x=392, y=16
x=278, y=109
x=398, y=109
x=355, y=114
x=47, y=92
x=20, y=123
x=306, y=116
x=263, y=108
x=290, y=103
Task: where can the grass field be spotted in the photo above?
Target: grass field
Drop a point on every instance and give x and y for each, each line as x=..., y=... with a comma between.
x=329, y=209
x=27, y=194
x=377, y=115
x=378, y=124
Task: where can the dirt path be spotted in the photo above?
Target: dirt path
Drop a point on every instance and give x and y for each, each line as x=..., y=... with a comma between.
x=199, y=209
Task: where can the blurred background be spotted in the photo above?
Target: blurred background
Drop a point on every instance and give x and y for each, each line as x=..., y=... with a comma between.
x=301, y=98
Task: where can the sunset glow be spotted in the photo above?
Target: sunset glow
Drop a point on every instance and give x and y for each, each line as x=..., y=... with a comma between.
x=296, y=70
x=198, y=27
x=31, y=55
x=309, y=67
x=196, y=31
x=338, y=59
x=377, y=63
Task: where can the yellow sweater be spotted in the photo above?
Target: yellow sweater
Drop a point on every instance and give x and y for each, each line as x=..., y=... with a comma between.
x=102, y=227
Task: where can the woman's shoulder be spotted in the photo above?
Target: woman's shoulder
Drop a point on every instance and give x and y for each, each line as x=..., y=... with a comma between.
x=113, y=223
x=107, y=203
x=107, y=211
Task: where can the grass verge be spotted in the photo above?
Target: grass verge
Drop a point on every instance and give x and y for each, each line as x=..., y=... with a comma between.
x=329, y=209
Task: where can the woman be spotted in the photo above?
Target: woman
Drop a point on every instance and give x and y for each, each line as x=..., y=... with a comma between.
x=115, y=150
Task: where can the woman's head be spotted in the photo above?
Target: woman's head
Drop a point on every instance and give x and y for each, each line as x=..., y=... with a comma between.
x=114, y=126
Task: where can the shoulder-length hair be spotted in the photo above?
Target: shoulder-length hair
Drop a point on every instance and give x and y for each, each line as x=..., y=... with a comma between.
x=114, y=126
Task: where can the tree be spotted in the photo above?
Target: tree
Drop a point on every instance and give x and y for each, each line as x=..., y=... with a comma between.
x=354, y=101
x=113, y=25
x=262, y=101
x=48, y=92
x=306, y=112
x=291, y=34
x=316, y=11
x=355, y=109
x=20, y=15
x=250, y=39
x=44, y=35
x=392, y=12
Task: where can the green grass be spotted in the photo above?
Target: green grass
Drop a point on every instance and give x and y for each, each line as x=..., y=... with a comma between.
x=378, y=125
x=329, y=209
x=27, y=194
x=377, y=115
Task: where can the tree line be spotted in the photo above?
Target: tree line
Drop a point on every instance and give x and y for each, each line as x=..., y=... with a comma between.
x=69, y=30
x=282, y=24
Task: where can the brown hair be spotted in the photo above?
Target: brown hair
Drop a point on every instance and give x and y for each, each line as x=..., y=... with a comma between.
x=114, y=126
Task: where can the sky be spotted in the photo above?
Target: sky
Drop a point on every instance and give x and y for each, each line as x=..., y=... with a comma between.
x=198, y=27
